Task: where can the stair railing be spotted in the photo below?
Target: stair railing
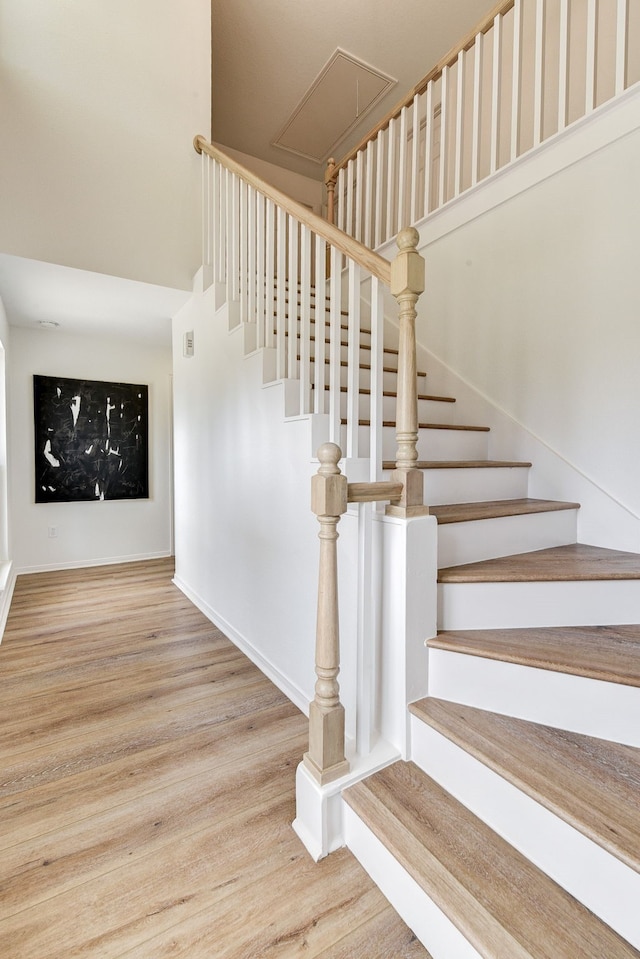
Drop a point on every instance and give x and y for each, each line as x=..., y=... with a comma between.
x=527, y=70
x=268, y=255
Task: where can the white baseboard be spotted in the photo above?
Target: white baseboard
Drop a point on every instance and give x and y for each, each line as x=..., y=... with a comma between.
x=97, y=561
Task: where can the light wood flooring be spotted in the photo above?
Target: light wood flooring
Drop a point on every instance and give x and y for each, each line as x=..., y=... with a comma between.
x=147, y=789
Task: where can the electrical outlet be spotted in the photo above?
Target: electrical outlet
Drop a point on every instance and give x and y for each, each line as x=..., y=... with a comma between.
x=53, y=532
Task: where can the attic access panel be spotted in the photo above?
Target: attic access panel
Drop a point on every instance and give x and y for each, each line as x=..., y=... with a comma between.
x=345, y=90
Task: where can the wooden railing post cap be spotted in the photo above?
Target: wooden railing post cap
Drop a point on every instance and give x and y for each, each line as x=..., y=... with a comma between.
x=407, y=268
x=329, y=485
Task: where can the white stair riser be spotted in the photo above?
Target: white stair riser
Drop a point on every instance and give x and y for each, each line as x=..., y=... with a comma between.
x=434, y=930
x=389, y=379
x=472, y=542
x=429, y=411
x=432, y=444
x=600, y=881
x=474, y=485
x=593, y=707
x=512, y=605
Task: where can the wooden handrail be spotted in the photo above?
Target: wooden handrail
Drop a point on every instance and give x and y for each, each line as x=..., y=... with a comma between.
x=500, y=9
x=371, y=261
x=373, y=492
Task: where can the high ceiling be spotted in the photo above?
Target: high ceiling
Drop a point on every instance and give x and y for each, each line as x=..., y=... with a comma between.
x=268, y=53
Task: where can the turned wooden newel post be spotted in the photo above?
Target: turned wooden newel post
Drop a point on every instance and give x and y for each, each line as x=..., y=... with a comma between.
x=407, y=283
x=330, y=181
x=325, y=759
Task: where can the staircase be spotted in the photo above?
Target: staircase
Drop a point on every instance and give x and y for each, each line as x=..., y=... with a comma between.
x=511, y=830
x=514, y=829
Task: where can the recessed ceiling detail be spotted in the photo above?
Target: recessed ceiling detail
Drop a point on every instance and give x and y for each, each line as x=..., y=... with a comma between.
x=344, y=91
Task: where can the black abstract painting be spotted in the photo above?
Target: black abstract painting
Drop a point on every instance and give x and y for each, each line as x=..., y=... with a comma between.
x=91, y=440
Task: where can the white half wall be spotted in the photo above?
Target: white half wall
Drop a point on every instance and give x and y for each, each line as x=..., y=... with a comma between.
x=88, y=533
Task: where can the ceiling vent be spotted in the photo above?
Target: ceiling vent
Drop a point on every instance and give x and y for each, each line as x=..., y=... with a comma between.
x=344, y=91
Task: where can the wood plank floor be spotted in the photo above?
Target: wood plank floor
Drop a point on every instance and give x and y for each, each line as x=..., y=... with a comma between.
x=147, y=789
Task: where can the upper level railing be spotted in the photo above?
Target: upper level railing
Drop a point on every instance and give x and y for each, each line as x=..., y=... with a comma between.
x=270, y=254
x=529, y=69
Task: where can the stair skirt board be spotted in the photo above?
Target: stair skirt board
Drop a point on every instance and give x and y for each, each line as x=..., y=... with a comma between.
x=508, y=605
x=599, y=880
x=473, y=541
x=593, y=707
x=432, y=927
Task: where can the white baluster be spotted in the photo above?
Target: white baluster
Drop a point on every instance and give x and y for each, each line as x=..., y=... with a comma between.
x=369, y=199
x=428, y=147
x=622, y=26
x=391, y=177
x=476, y=131
x=270, y=271
x=457, y=179
x=281, y=306
x=292, y=308
x=496, y=88
x=349, y=199
x=359, y=188
x=262, y=313
x=402, y=172
x=376, y=381
x=335, y=306
x=539, y=80
x=305, y=321
x=320, y=312
x=563, y=65
x=444, y=97
x=380, y=154
x=244, y=239
x=414, y=214
x=591, y=56
x=252, y=311
x=516, y=79
x=353, y=362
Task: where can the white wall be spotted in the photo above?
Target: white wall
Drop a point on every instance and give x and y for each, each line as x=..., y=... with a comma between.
x=93, y=532
x=534, y=305
x=99, y=104
x=5, y=553
x=245, y=537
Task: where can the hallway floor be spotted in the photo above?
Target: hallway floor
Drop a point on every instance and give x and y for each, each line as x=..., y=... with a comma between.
x=147, y=789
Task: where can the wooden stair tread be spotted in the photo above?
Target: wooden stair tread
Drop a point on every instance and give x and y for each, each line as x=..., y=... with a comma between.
x=460, y=464
x=599, y=795
x=607, y=653
x=497, y=898
x=467, y=512
x=576, y=562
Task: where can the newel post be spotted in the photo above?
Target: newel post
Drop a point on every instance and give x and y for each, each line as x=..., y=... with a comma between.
x=325, y=759
x=407, y=283
x=330, y=181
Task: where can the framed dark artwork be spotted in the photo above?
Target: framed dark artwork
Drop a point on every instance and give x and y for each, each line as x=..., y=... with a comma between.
x=91, y=440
